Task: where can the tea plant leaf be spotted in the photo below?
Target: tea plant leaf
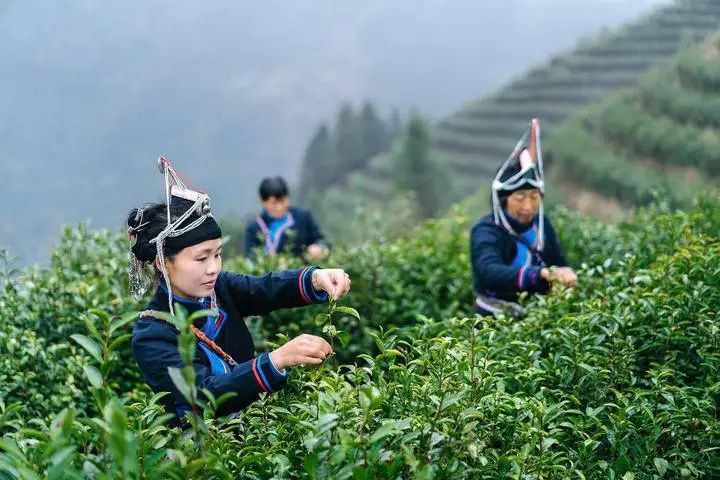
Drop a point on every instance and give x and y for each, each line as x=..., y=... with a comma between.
x=322, y=319
x=120, y=322
x=93, y=375
x=180, y=383
x=384, y=430
x=343, y=337
x=89, y=345
x=661, y=465
x=347, y=310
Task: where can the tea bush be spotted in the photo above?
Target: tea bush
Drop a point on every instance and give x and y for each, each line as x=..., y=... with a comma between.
x=661, y=94
x=589, y=161
x=659, y=138
x=697, y=72
x=616, y=379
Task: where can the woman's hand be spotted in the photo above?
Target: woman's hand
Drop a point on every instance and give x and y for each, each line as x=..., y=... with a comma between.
x=562, y=275
x=566, y=276
x=302, y=350
x=317, y=251
x=334, y=281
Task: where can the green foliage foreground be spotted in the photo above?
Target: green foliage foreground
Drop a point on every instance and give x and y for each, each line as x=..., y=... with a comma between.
x=618, y=379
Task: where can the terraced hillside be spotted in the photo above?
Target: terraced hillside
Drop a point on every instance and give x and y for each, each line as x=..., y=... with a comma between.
x=661, y=135
x=476, y=138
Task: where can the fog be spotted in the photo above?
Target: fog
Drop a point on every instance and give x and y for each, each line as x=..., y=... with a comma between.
x=92, y=92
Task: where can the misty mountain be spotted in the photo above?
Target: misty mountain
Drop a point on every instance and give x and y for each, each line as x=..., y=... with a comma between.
x=92, y=92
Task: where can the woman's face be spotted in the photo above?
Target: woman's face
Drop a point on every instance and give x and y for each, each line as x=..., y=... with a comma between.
x=194, y=271
x=523, y=205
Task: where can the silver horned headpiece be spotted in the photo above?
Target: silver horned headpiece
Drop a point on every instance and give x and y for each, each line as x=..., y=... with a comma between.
x=198, y=203
x=523, y=167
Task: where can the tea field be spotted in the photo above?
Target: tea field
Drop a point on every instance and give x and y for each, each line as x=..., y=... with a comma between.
x=616, y=379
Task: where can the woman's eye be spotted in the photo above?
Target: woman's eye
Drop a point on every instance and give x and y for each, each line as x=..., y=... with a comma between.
x=201, y=259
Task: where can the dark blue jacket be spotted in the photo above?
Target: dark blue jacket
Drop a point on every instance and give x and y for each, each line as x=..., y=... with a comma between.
x=301, y=231
x=154, y=341
x=504, y=265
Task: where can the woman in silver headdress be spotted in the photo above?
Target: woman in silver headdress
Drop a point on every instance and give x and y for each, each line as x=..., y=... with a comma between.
x=179, y=244
x=515, y=249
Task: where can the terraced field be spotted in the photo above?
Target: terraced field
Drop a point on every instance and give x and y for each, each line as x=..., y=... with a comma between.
x=473, y=140
x=660, y=137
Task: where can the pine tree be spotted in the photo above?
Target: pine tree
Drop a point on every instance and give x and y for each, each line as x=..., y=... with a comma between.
x=416, y=171
x=348, y=142
x=354, y=140
x=318, y=164
x=375, y=135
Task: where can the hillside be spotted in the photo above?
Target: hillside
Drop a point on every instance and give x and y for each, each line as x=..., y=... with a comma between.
x=660, y=137
x=474, y=140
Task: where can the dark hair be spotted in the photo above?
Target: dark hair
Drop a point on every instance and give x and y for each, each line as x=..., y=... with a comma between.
x=273, y=187
x=146, y=223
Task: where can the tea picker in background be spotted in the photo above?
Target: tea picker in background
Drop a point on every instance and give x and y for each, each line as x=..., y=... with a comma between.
x=515, y=249
x=283, y=228
x=178, y=245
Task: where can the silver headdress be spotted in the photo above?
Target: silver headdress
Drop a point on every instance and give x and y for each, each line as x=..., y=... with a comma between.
x=198, y=203
x=140, y=280
x=523, y=167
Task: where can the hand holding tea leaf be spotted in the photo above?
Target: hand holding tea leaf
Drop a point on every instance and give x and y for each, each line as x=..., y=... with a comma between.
x=564, y=276
x=334, y=281
x=302, y=350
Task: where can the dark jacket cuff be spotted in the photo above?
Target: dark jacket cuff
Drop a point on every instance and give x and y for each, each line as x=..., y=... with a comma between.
x=307, y=291
x=268, y=377
x=530, y=280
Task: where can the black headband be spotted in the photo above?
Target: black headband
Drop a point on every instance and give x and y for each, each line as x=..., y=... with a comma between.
x=523, y=186
x=207, y=230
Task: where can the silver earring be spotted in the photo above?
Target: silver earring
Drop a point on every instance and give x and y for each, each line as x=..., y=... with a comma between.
x=138, y=278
